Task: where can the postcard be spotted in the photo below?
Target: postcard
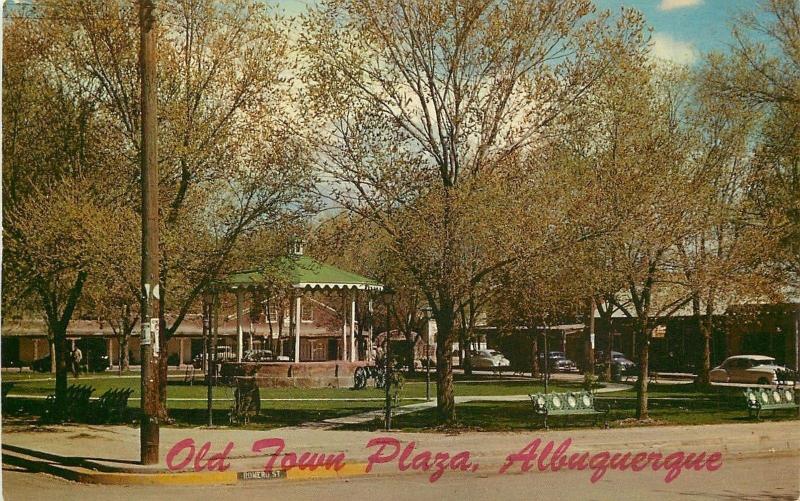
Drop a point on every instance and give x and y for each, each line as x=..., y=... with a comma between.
x=400, y=249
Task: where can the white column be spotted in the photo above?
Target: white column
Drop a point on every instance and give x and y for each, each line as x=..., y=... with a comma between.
x=344, y=327
x=353, y=356
x=369, y=358
x=239, y=333
x=297, y=310
x=180, y=352
x=110, y=352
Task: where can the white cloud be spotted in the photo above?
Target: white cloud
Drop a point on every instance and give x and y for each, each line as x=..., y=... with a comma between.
x=667, y=48
x=678, y=4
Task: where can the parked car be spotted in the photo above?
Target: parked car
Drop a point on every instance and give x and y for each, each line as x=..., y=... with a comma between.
x=488, y=360
x=226, y=354
x=258, y=356
x=758, y=369
x=617, y=358
x=97, y=362
x=41, y=365
x=557, y=361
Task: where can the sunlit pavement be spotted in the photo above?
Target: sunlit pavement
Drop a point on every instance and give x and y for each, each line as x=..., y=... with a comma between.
x=746, y=479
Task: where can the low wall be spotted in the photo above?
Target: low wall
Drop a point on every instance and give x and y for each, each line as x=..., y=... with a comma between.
x=333, y=374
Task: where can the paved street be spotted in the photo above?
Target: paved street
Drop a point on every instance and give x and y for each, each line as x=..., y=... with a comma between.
x=759, y=461
x=752, y=478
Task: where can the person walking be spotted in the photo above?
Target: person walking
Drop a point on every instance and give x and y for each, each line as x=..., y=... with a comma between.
x=76, y=357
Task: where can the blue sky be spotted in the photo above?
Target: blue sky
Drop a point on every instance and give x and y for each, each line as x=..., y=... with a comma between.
x=682, y=29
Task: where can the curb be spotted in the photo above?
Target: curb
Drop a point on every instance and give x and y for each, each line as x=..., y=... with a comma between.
x=160, y=477
x=84, y=470
x=233, y=477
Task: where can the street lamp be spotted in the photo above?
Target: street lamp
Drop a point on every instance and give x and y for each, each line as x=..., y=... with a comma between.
x=208, y=298
x=546, y=357
x=387, y=297
x=427, y=310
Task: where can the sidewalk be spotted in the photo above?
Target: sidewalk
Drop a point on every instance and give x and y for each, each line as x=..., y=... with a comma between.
x=109, y=454
x=368, y=416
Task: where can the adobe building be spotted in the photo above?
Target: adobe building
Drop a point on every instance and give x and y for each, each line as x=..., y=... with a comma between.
x=25, y=340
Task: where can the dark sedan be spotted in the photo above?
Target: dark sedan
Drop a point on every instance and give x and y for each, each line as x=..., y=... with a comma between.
x=557, y=361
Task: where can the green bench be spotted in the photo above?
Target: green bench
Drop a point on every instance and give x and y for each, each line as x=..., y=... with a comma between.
x=112, y=406
x=576, y=403
x=769, y=399
x=76, y=404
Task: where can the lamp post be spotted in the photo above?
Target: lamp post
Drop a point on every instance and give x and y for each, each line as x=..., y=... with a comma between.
x=546, y=358
x=387, y=380
x=207, y=301
x=427, y=311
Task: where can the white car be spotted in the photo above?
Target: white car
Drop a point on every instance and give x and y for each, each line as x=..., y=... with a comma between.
x=488, y=360
x=752, y=369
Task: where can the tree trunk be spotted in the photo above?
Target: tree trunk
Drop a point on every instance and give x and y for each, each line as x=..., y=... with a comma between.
x=608, y=356
x=590, y=342
x=161, y=360
x=445, y=401
x=52, y=345
x=161, y=357
x=124, y=356
x=62, y=366
x=644, y=356
x=467, y=361
x=127, y=326
x=535, y=356
x=706, y=327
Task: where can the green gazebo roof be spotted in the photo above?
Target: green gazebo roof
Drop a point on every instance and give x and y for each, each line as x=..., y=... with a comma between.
x=301, y=272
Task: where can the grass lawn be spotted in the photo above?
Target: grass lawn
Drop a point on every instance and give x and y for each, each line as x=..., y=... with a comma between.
x=187, y=403
x=669, y=404
x=412, y=389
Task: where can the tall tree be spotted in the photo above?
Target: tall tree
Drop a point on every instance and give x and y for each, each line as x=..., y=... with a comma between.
x=229, y=159
x=638, y=151
x=763, y=71
x=423, y=105
x=61, y=208
x=55, y=240
x=729, y=253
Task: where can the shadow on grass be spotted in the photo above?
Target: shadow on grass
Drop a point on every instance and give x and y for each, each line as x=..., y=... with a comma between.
x=28, y=412
x=668, y=405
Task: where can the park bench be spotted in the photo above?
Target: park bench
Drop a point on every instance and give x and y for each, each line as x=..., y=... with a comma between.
x=76, y=404
x=769, y=399
x=363, y=374
x=246, y=400
x=112, y=405
x=577, y=403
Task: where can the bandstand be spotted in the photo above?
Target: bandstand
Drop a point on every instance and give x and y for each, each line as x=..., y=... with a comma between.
x=299, y=277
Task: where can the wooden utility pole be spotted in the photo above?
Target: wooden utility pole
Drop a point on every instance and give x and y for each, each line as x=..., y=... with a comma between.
x=590, y=342
x=149, y=437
